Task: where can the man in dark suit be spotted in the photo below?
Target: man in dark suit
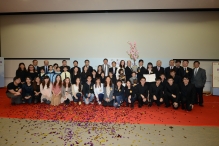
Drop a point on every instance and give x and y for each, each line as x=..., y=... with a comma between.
x=158, y=70
x=35, y=64
x=46, y=66
x=140, y=70
x=64, y=64
x=128, y=70
x=187, y=94
x=178, y=67
x=167, y=69
x=75, y=63
x=185, y=70
x=177, y=79
x=105, y=67
x=87, y=63
x=199, y=80
x=113, y=69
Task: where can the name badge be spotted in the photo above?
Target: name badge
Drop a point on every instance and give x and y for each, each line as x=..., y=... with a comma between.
x=119, y=90
x=91, y=88
x=139, y=70
x=187, y=71
x=111, y=89
x=130, y=91
x=100, y=90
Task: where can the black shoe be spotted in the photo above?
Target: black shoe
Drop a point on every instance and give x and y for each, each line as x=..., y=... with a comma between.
x=13, y=103
x=127, y=104
x=201, y=105
x=149, y=104
x=183, y=108
x=167, y=106
x=139, y=105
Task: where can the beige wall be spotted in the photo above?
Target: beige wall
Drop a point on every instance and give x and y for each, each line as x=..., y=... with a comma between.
x=192, y=35
x=75, y=5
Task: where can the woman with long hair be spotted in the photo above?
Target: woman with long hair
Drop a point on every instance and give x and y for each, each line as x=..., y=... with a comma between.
x=85, y=73
x=36, y=90
x=99, y=71
x=27, y=91
x=77, y=91
x=46, y=90
x=31, y=72
x=118, y=93
x=98, y=90
x=129, y=94
x=21, y=72
x=75, y=74
x=66, y=91
x=121, y=66
x=56, y=91
x=108, y=91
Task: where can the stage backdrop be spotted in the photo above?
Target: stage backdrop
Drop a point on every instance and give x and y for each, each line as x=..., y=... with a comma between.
x=94, y=62
x=2, y=72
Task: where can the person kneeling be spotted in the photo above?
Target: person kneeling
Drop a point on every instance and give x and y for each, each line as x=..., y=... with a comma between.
x=142, y=92
x=46, y=90
x=129, y=94
x=27, y=91
x=88, y=91
x=118, y=94
x=14, y=91
x=108, y=91
x=98, y=90
x=66, y=91
x=156, y=93
x=77, y=91
x=171, y=93
x=187, y=94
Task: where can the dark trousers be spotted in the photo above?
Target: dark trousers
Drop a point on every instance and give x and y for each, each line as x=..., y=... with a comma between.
x=28, y=100
x=78, y=96
x=199, y=95
x=100, y=96
x=186, y=104
x=168, y=99
x=14, y=99
x=132, y=100
x=140, y=100
x=151, y=100
x=111, y=103
x=37, y=99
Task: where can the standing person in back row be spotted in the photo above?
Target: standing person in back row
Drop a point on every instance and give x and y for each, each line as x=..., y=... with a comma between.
x=199, y=80
x=87, y=64
x=178, y=67
x=128, y=70
x=64, y=64
x=35, y=64
x=168, y=69
x=158, y=70
x=113, y=69
x=185, y=70
x=75, y=63
x=141, y=70
x=105, y=67
x=46, y=66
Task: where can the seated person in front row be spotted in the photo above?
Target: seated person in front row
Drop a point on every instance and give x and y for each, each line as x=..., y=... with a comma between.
x=46, y=90
x=156, y=92
x=129, y=94
x=187, y=94
x=36, y=90
x=77, y=91
x=118, y=93
x=171, y=93
x=142, y=92
x=112, y=77
x=56, y=91
x=108, y=91
x=27, y=91
x=14, y=91
x=98, y=90
x=66, y=91
x=88, y=91
x=134, y=77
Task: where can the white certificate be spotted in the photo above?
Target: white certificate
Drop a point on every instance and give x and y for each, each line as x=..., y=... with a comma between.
x=150, y=77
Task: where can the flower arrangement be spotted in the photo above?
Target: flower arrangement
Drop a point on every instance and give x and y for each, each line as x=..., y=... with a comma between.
x=133, y=52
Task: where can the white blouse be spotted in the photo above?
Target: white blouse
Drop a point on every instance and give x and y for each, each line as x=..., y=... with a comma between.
x=98, y=90
x=46, y=91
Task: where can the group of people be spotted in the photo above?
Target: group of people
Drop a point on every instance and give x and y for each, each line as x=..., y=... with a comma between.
x=174, y=86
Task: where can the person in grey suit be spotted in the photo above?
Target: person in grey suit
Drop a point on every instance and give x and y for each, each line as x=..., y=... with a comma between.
x=198, y=79
x=105, y=67
x=108, y=90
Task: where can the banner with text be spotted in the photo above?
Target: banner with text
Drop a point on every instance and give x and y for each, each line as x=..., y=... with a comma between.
x=2, y=81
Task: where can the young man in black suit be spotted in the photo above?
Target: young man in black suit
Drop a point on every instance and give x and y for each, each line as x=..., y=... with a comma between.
x=171, y=66
x=177, y=79
x=178, y=67
x=128, y=70
x=171, y=93
x=140, y=70
x=158, y=70
x=46, y=66
x=64, y=64
x=87, y=63
x=187, y=94
x=185, y=70
x=35, y=64
x=113, y=69
x=199, y=80
x=142, y=92
x=75, y=63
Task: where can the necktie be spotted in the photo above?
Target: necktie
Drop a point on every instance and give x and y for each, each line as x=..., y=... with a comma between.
x=158, y=68
x=184, y=70
x=65, y=75
x=195, y=71
x=46, y=69
x=113, y=70
x=105, y=70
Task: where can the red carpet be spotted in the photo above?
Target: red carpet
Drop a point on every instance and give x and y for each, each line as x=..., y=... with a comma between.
x=200, y=116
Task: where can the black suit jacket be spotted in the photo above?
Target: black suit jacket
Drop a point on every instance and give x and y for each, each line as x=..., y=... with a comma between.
x=178, y=71
x=177, y=80
x=187, y=93
x=72, y=70
x=111, y=70
x=140, y=72
x=44, y=69
x=128, y=73
x=90, y=69
x=62, y=67
x=37, y=69
x=167, y=71
x=161, y=71
x=188, y=73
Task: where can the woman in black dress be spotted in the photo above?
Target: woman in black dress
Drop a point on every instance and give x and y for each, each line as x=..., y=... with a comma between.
x=21, y=72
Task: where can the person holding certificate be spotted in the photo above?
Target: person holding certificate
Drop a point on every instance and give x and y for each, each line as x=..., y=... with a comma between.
x=150, y=75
